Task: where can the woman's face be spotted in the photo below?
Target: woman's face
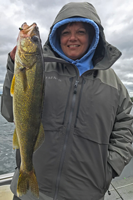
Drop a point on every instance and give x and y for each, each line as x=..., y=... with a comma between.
x=74, y=40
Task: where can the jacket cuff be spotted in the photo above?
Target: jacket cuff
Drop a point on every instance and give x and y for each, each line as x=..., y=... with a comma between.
x=114, y=174
x=117, y=163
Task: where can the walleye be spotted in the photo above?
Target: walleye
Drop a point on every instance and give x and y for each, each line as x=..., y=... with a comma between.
x=27, y=90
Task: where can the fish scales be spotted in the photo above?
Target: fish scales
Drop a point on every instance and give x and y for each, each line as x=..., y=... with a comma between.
x=28, y=91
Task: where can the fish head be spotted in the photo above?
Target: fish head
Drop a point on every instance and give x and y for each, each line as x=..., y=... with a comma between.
x=29, y=47
x=29, y=38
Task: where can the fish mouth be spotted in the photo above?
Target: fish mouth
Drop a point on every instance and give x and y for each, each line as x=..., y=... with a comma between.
x=25, y=25
x=29, y=30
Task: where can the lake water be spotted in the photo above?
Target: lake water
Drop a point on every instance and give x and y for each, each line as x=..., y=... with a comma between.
x=7, y=154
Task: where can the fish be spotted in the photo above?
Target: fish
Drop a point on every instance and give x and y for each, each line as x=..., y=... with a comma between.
x=27, y=89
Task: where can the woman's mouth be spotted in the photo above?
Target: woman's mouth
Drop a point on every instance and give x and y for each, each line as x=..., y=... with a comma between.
x=73, y=45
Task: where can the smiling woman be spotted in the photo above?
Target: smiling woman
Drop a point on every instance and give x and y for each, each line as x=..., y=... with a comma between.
x=67, y=32
x=86, y=111
x=74, y=40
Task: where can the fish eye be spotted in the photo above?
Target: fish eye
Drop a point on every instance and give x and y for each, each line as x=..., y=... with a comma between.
x=35, y=38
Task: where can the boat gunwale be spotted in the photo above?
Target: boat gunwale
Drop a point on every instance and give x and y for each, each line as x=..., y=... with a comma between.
x=5, y=179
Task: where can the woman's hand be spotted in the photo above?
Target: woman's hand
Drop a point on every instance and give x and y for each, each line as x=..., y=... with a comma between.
x=12, y=53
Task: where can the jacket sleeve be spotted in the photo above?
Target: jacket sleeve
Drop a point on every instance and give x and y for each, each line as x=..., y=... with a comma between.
x=6, y=99
x=120, y=149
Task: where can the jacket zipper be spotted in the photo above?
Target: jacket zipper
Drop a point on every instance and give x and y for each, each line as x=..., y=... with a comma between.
x=67, y=101
x=65, y=142
x=83, y=82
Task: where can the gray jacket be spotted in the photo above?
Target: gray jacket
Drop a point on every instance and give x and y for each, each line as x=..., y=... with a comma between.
x=87, y=121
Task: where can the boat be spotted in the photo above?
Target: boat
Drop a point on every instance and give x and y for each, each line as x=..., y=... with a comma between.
x=120, y=188
x=5, y=181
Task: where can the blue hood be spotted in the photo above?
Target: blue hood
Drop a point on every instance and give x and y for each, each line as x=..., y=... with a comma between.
x=85, y=63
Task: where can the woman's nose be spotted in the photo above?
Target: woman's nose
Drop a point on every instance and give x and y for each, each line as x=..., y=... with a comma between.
x=73, y=36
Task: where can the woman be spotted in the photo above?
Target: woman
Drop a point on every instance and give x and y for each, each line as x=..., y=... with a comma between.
x=86, y=118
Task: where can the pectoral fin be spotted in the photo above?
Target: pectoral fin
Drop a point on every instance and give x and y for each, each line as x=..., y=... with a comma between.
x=23, y=77
x=15, y=140
x=40, y=137
x=12, y=86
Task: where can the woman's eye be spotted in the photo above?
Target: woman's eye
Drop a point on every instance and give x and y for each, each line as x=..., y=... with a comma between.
x=65, y=33
x=81, y=32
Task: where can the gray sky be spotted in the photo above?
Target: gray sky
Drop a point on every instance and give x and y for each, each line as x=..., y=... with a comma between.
x=116, y=17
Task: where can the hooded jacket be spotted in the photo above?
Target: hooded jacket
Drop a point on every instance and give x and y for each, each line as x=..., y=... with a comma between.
x=87, y=121
x=85, y=62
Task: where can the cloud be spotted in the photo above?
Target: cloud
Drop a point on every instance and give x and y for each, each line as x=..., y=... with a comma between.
x=116, y=18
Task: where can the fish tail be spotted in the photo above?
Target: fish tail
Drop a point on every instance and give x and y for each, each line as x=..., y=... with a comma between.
x=26, y=181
